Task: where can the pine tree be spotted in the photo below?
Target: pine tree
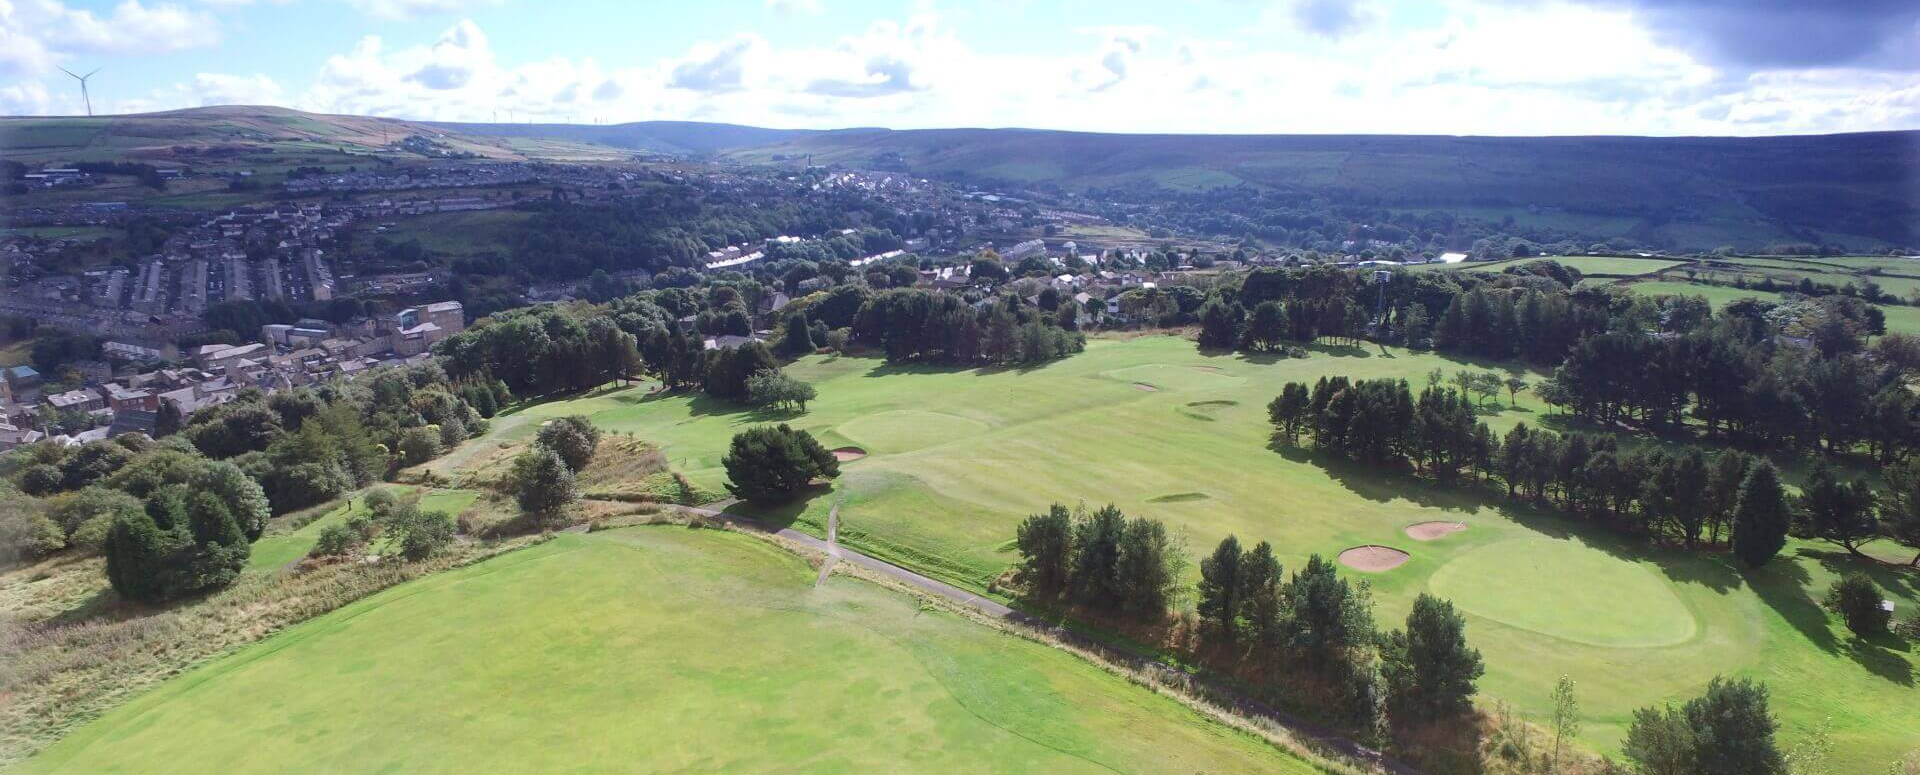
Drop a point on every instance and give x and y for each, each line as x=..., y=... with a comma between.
x=1220, y=593
x=799, y=339
x=1760, y=517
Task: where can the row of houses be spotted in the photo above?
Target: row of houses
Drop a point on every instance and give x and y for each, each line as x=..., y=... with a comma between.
x=288, y=356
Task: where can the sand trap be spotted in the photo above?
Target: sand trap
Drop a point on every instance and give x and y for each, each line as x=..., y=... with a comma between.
x=1428, y=531
x=1146, y=387
x=1372, y=559
x=845, y=454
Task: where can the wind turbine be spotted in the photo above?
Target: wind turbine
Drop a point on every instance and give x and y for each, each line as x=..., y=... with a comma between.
x=83, y=87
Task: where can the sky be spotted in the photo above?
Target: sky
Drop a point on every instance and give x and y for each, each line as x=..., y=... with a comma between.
x=1493, y=67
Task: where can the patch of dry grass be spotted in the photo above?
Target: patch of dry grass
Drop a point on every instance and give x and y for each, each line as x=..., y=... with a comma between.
x=70, y=649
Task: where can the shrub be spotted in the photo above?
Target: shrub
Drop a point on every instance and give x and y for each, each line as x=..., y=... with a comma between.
x=40, y=479
x=335, y=541
x=91, y=536
x=573, y=438
x=1858, y=601
x=419, y=445
x=424, y=535
x=542, y=483
x=184, y=541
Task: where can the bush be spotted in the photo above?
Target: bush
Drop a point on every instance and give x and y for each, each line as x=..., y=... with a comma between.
x=419, y=445
x=573, y=438
x=423, y=535
x=1856, y=599
x=185, y=541
x=542, y=483
x=335, y=541
x=41, y=479
x=91, y=536
x=773, y=462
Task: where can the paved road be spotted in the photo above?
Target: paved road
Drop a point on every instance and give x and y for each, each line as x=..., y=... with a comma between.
x=1300, y=728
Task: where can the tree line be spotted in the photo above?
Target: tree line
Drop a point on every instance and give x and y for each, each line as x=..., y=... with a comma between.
x=1308, y=638
x=1793, y=375
x=1684, y=496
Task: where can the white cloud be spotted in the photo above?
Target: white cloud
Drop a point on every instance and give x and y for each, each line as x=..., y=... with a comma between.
x=460, y=53
x=226, y=89
x=27, y=98
x=37, y=34
x=719, y=67
x=1481, y=67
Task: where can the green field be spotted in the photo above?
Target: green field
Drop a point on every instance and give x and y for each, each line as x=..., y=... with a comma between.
x=657, y=649
x=1903, y=319
x=958, y=457
x=1591, y=266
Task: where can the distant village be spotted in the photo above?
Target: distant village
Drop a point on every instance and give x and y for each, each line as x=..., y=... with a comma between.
x=287, y=251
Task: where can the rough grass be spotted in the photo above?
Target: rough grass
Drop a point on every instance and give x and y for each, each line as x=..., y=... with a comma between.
x=277, y=549
x=945, y=501
x=70, y=650
x=733, y=662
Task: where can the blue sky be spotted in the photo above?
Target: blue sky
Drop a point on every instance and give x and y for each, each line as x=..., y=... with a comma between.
x=1392, y=66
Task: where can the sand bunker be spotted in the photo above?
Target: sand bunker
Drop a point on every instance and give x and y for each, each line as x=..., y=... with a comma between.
x=1372, y=559
x=845, y=454
x=1146, y=387
x=1428, y=531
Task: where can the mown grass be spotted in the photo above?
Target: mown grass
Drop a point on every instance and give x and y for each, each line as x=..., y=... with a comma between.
x=70, y=650
x=653, y=649
x=958, y=456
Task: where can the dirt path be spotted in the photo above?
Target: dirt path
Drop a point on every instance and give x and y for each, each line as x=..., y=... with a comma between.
x=1301, y=729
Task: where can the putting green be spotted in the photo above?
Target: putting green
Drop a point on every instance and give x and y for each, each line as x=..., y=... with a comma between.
x=905, y=430
x=651, y=650
x=1167, y=376
x=1566, y=590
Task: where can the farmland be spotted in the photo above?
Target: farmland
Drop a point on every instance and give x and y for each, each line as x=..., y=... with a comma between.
x=958, y=457
x=732, y=660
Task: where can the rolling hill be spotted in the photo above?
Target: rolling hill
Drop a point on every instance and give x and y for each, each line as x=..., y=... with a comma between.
x=1860, y=190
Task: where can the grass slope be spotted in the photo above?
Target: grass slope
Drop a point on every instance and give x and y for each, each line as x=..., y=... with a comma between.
x=651, y=649
x=958, y=457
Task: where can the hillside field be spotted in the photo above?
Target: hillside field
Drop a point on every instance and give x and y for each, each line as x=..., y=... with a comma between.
x=958, y=457
x=1903, y=319
x=660, y=649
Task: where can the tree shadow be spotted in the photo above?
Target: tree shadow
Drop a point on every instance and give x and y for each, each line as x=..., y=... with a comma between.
x=1380, y=485
x=783, y=514
x=1883, y=655
x=1895, y=578
x=1338, y=350
x=1489, y=364
x=1782, y=585
x=548, y=398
